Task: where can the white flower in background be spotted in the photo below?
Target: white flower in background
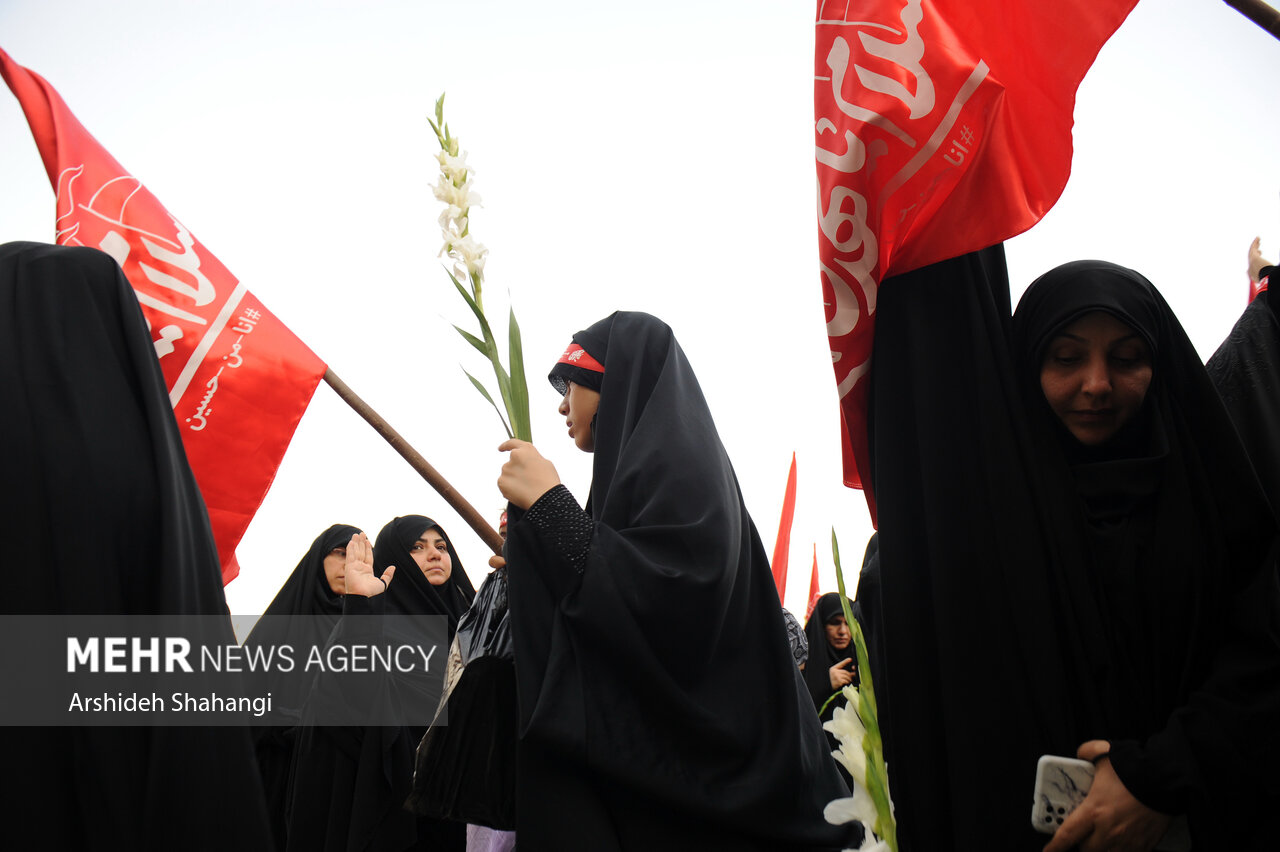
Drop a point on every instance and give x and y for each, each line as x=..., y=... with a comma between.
x=847, y=728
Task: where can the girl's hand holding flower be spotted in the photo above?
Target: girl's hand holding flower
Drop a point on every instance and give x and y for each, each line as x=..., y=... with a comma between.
x=527, y=475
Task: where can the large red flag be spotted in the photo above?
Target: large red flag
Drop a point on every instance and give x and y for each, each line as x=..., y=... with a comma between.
x=940, y=128
x=782, y=547
x=238, y=379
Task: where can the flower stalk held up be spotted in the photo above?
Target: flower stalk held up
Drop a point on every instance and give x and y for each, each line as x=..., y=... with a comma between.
x=856, y=727
x=455, y=190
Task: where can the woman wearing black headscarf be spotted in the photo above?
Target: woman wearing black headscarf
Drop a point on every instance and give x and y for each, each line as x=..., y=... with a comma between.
x=312, y=593
x=100, y=499
x=831, y=663
x=349, y=783
x=1081, y=562
x=660, y=707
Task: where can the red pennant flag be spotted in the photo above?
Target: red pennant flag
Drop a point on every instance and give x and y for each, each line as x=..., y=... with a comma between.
x=937, y=133
x=814, y=592
x=782, y=547
x=238, y=379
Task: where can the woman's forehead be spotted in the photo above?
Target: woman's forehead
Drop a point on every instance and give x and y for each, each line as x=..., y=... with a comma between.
x=1097, y=326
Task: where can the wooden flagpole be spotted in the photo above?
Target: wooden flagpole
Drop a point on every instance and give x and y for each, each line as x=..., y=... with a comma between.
x=468, y=512
x=1259, y=12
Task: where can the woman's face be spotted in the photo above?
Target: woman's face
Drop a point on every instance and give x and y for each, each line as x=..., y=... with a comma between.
x=838, y=635
x=335, y=565
x=579, y=409
x=431, y=552
x=1095, y=376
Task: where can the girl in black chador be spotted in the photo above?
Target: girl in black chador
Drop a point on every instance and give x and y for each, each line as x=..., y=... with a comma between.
x=1079, y=562
x=302, y=615
x=350, y=783
x=660, y=707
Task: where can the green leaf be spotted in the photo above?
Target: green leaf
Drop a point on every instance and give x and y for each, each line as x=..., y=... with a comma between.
x=519, y=410
x=473, y=340
x=827, y=703
x=485, y=394
x=475, y=309
x=440, y=108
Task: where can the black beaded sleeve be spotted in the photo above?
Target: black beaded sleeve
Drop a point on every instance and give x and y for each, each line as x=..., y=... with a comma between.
x=563, y=523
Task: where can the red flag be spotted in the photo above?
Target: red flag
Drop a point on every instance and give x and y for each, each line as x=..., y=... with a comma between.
x=238, y=379
x=814, y=592
x=939, y=129
x=782, y=547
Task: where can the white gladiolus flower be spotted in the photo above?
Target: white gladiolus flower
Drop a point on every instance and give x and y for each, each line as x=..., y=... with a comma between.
x=453, y=220
x=847, y=728
x=857, y=807
x=455, y=168
x=461, y=197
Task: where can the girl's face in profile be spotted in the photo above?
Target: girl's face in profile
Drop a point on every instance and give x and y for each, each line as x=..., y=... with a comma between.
x=431, y=552
x=579, y=409
x=1095, y=376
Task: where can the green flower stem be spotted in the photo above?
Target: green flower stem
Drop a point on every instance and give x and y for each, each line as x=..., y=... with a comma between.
x=877, y=780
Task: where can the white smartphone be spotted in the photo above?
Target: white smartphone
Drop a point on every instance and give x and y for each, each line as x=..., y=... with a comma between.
x=1061, y=785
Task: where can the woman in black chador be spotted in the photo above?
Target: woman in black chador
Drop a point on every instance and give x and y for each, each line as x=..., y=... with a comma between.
x=1082, y=563
x=301, y=616
x=660, y=707
x=350, y=783
x=104, y=517
x=832, y=663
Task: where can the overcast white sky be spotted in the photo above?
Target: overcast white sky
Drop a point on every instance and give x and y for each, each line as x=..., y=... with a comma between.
x=653, y=157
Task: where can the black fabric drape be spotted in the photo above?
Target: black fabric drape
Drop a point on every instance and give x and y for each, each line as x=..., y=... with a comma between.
x=1022, y=615
x=1246, y=371
x=305, y=592
x=350, y=783
x=99, y=497
x=660, y=707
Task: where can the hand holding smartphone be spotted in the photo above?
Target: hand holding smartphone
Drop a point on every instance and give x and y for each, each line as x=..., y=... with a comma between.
x=1062, y=784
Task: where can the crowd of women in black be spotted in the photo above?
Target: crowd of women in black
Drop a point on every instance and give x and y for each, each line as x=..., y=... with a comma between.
x=1079, y=557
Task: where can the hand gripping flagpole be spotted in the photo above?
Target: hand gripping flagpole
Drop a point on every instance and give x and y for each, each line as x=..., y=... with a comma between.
x=459, y=503
x=1260, y=13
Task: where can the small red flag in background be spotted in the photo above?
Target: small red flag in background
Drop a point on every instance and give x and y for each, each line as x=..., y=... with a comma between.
x=939, y=129
x=814, y=591
x=238, y=380
x=782, y=547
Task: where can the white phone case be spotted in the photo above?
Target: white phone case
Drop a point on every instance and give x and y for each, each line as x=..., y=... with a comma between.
x=1061, y=784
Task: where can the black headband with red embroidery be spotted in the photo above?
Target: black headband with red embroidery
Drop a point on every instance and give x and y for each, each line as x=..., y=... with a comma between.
x=576, y=365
